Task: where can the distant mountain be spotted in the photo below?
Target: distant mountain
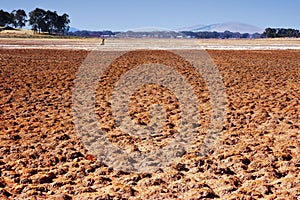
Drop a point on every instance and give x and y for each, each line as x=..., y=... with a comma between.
x=229, y=26
x=190, y=28
x=235, y=30
x=150, y=34
x=72, y=29
x=149, y=29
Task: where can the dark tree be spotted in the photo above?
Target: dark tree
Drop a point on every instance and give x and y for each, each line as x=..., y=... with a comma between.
x=62, y=24
x=245, y=35
x=36, y=20
x=281, y=32
x=292, y=33
x=5, y=18
x=19, y=18
x=270, y=32
x=51, y=19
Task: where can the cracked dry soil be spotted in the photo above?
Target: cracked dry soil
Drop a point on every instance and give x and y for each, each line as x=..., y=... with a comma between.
x=257, y=155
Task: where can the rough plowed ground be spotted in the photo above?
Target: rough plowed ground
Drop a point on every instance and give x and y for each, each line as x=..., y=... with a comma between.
x=257, y=155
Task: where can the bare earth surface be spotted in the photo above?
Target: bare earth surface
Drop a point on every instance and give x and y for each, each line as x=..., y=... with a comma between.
x=256, y=157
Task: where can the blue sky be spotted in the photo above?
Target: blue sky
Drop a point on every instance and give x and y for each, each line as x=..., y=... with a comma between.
x=172, y=14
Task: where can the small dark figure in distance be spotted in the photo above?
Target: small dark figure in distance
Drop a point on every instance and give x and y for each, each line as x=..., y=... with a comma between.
x=102, y=41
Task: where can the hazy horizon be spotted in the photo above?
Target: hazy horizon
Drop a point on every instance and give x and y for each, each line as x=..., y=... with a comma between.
x=124, y=15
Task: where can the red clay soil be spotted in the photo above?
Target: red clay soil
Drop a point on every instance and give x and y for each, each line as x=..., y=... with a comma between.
x=257, y=155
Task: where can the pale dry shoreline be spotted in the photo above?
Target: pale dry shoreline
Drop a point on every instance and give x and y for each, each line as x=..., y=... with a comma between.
x=112, y=44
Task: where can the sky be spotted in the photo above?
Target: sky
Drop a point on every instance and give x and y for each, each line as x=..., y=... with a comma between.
x=119, y=15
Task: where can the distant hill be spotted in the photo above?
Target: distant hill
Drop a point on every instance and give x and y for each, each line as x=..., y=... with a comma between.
x=9, y=32
x=12, y=32
x=220, y=30
x=72, y=29
x=221, y=27
x=150, y=29
x=150, y=34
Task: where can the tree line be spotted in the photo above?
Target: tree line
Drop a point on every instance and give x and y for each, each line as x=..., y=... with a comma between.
x=40, y=20
x=219, y=35
x=268, y=33
x=281, y=32
x=17, y=18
